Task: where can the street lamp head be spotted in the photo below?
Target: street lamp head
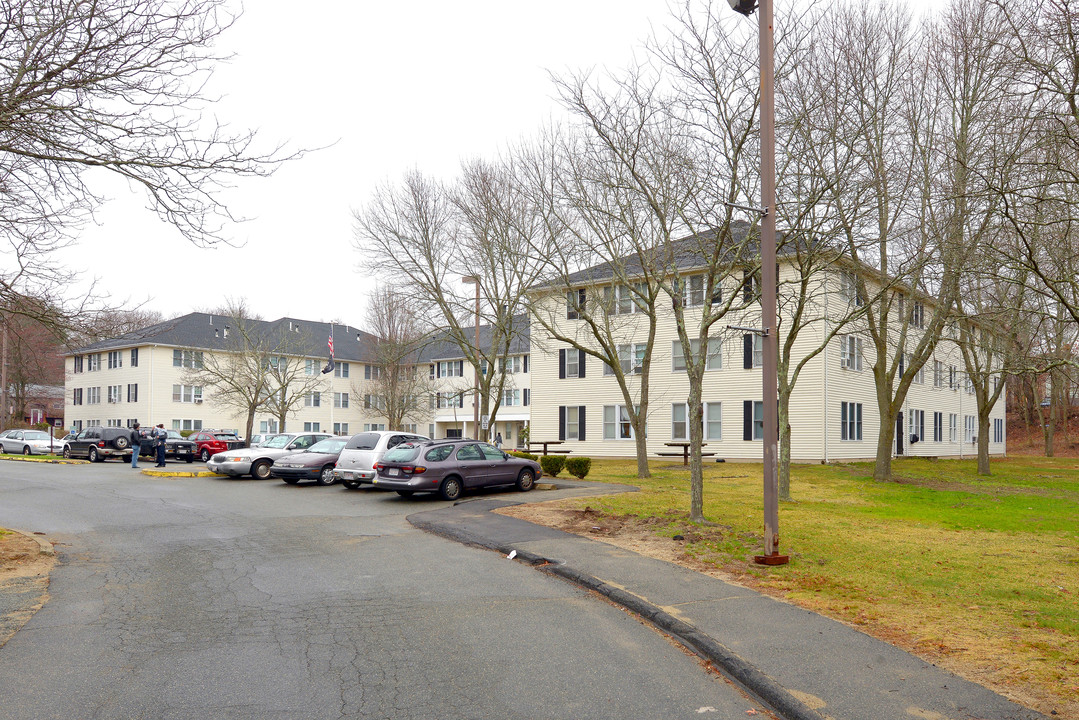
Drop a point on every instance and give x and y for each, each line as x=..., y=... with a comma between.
x=746, y=7
x=469, y=279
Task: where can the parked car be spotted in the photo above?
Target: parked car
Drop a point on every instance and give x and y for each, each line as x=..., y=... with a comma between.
x=315, y=463
x=258, y=439
x=450, y=467
x=257, y=461
x=176, y=446
x=210, y=442
x=29, y=442
x=98, y=444
x=356, y=463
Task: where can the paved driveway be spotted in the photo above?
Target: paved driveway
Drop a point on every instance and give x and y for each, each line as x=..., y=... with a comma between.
x=211, y=598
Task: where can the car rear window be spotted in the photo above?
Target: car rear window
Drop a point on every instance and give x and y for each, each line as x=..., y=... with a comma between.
x=363, y=441
x=225, y=436
x=402, y=453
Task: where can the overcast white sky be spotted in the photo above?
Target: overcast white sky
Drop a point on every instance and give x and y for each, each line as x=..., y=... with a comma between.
x=395, y=86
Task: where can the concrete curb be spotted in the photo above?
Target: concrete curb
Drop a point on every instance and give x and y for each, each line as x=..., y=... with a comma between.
x=54, y=461
x=44, y=546
x=180, y=473
x=771, y=693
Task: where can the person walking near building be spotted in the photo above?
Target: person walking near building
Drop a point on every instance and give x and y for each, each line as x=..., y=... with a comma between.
x=136, y=445
x=159, y=443
x=498, y=440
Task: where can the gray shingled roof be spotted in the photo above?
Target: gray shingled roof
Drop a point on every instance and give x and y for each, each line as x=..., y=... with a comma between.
x=442, y=347
x=206, y=332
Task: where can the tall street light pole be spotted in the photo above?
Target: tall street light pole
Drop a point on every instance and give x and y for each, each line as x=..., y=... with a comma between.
x=770, y=345
x=473, y=279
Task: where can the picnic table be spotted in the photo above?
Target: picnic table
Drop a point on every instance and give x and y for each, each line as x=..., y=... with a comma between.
x=685, y=451
x=545, y=443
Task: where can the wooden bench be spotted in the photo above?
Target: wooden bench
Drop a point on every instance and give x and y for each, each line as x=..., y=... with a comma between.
x=670, y=454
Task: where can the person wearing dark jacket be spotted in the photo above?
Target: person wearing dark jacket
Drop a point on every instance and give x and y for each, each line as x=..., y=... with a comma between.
x=159, y=442
x=136, y=444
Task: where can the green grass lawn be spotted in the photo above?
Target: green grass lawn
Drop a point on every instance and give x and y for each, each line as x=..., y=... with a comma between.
x=981, y=573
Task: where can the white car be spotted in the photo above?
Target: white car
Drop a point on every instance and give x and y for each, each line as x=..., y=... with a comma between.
x=256, y=461
x=356, y=464
x=29, y=442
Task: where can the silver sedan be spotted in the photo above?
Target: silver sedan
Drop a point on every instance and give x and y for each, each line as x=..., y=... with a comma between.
x=29, y=442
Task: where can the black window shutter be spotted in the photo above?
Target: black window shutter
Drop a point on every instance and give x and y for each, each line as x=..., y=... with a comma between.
x=562, y=364
x=561, y=422
x=526, y=364
x=580, y=363
x=747, y=420
x=747, y=352
x=460, y=368
x=580, y=422
x=526, y=396
x=902, y=368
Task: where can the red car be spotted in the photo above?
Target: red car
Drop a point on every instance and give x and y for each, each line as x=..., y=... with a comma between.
x=211, y=442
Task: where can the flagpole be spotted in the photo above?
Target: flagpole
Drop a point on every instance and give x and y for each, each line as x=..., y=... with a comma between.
x=333, y=395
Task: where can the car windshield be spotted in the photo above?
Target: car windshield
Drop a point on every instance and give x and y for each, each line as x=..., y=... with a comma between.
x=277, y=441
x=173, y=435
x=363, y=441
x=35, y=435
x=402, y=453
x=329, y=445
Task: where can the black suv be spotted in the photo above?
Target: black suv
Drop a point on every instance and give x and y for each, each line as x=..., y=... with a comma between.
x=97, y=444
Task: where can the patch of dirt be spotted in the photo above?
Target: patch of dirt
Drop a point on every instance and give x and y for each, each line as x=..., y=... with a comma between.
x=24, y=581
x=21, y=556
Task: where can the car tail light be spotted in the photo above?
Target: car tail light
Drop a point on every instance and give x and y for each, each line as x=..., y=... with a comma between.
x=379, y=466
x=101, y=443
x=419, y=469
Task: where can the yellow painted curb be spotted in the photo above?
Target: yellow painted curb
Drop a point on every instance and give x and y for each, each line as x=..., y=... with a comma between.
x=54, y=461
x=181, y=473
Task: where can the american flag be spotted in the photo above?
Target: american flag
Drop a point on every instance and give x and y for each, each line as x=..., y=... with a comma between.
x=331, y=345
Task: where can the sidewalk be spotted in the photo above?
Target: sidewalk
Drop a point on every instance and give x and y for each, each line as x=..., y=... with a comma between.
x=805, y=666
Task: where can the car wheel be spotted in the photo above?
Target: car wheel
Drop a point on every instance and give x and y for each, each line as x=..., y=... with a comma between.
x=526, y=480
x=326, y=476
x=205, y=455
x=261, y=470
x=67, y=452
x=92, y=455
x=26, y=450
x=121, y=443
x=405, y=493
x=450, y=489
x=351, y=484
x=291, y=481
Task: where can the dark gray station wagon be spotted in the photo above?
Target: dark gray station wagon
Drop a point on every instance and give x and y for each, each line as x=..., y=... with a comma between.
x=448, y=467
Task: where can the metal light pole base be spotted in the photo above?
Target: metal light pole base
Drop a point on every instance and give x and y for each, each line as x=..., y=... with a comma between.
x=773, y=559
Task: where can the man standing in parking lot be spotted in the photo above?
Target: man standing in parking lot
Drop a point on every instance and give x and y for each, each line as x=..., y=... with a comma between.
x=136, y=440
x=159, y=443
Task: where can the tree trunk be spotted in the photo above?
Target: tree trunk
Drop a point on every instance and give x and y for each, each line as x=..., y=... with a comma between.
x=983, y=443
x=642, y=448
x=784, y=443
x=882, y=469
x=695, y=419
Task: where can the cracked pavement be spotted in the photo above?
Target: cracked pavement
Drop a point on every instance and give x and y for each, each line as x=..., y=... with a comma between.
x=223, y=598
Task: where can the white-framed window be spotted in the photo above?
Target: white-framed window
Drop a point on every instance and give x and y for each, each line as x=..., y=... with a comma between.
x=311, y=367
x=917, y=314
x=693, y=291
x=753, y=420
x=623, y=299
x=751, y=286
x=616, y=423
x=268, y=426
x=968, y=384
x=340, y=399
x=187, y=358
x=377, y=402
x=76, y=425
x=938, y=427
x=116, y=359
x=850, y=352
x=919, y=377
x=511, y=397
x=373, y=427
x=114, y=423
x=93, y=362
x=938, y=374
x=187, y=393
x=133, y=392
x=446, y=368
x=573, y=367
x=630, y=357
x=410, y=428
x=431, y=430
x=114, y=393
x=449, y=400
x=953, y=427
x=998, y=430
x=76, y=396
x=188, y=424
x=573, y=425
x=340, y=369
x=312, y=399
x=134, y=357
x=970, y=428
x=76, y=364
x=374, y=372
x=714, y=360
x=917, y=424
x=312, y=427
x=712, y=421
x=848, y=288
x=575, y=300
x=93, y=396
x=513, y=364
x=340, y=428
x=850, y=419
x=754, y=345
x=953, y=378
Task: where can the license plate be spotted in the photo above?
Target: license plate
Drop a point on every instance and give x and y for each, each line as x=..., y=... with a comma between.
x=393, y=471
